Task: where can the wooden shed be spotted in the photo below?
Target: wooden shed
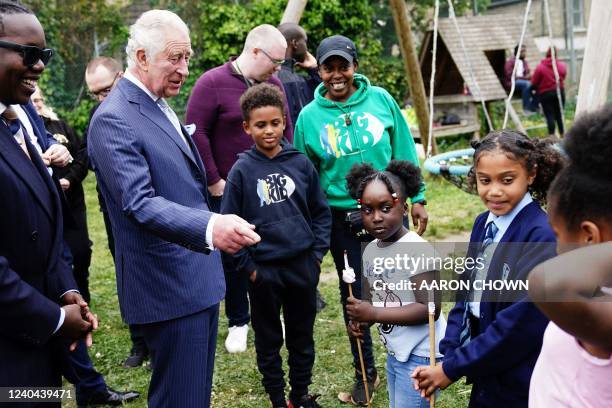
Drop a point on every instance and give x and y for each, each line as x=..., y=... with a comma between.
x=489, y=40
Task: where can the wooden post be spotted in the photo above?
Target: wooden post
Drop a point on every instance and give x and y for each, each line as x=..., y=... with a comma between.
x=593, y=90
x=411, y=63
x=293, y=11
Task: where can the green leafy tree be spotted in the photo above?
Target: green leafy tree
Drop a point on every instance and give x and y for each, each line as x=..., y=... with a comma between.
x=81, y=29
x=77, y=30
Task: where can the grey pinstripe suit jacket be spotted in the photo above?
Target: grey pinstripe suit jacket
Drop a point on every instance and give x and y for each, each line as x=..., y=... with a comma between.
x=155, y=189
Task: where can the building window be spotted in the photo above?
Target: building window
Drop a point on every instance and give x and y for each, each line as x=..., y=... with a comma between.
x=578, y=13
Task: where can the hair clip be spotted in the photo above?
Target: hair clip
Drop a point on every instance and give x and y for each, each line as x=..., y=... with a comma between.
x=394, y=195
x=475, y=144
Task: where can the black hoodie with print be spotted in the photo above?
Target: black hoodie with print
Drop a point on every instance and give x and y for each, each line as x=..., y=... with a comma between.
x=282, y=197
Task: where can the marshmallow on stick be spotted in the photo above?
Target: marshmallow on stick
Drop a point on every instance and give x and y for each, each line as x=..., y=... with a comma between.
x=348, y=274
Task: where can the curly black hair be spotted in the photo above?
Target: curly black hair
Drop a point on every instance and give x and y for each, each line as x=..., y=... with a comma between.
x=8, y=7
x=260, y=96
x=540, y=154
x=583, y=189
x=399, y=175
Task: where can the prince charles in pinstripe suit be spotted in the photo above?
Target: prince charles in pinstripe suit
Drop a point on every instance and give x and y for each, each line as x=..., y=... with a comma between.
x=169, y=275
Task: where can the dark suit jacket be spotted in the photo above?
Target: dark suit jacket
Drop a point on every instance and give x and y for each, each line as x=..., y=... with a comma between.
x=33, y=275
x=76, y=171
x=155, y=191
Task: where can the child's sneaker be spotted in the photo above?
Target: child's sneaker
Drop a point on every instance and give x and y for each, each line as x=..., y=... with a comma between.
x=307, y=401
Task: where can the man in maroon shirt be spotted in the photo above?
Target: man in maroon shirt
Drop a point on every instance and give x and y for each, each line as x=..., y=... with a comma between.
x=214, y=108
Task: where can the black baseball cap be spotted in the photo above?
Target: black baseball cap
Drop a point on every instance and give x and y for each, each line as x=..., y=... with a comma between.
x=336, y=45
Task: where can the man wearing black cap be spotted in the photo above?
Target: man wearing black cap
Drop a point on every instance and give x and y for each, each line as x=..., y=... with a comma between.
x=352, y=122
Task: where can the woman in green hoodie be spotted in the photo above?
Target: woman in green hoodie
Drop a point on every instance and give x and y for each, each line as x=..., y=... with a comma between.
x=352, y=122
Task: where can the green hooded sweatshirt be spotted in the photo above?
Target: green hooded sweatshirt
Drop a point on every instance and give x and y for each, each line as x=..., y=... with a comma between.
x=368, y=128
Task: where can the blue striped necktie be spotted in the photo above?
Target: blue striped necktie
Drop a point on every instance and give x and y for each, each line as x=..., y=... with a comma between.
x=490, y=232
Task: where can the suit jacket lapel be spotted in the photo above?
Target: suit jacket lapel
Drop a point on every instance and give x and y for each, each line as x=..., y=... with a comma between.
x=194, y=150
x=149, y=108
x=33, y=173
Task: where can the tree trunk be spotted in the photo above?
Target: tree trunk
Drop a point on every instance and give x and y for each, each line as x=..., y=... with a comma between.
x=293, y=11
x=411, y=63
x=593, y=90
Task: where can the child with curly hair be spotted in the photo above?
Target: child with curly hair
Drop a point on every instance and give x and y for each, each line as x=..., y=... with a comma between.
x=402, y=315
x=574, y=290
x=276, y=188
x=494, y=343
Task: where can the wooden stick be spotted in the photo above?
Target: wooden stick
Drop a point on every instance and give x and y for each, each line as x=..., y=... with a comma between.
x=363, y=371
x=432, y=340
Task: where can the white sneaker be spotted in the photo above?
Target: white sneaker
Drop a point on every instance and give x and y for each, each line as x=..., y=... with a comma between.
x=236, y=341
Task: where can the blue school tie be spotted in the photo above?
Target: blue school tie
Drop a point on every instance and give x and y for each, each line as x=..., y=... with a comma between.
x=490, y=232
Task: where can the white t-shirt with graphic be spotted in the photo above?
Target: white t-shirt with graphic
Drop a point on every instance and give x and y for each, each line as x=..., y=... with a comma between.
x=400, y=341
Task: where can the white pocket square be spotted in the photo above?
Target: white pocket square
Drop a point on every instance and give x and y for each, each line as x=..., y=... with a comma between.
x=190, y=129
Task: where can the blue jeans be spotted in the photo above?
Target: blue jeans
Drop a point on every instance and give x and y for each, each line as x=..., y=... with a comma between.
x=399, y=383
x=530, y=102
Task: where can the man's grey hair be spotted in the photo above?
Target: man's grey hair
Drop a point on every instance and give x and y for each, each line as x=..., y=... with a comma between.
x=149, y=33
x=262, y=36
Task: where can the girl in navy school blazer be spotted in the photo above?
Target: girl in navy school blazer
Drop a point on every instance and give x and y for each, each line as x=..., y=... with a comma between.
x=506, y=337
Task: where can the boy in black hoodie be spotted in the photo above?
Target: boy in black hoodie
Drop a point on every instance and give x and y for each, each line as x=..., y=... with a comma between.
x=276, y=188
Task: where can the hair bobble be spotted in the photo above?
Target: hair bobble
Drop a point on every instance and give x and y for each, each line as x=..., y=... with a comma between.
x=525, y=144
x=394, y=195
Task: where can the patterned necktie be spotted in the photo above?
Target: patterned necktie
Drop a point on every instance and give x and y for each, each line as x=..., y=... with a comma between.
x=490, y=232
x=12, y=121
x=163, y=105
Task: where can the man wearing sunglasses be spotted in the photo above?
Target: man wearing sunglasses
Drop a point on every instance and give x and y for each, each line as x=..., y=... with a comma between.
x=38, y=301
x=214, y=108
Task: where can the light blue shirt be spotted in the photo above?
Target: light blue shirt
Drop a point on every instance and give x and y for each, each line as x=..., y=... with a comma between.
x=502, y=222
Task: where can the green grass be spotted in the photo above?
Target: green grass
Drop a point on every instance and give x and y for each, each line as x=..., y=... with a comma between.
x=237, y=381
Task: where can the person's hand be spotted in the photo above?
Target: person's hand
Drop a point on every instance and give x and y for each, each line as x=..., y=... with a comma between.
x=64, y=183
x=216, y=190
x=57, y=155
x=427, y=379
x=309, y=61
x=231, y=233
x=419, y=217
x=75, y=298
x=359, y=310
x=356, y=329
x=75, y=327
x=253, y=276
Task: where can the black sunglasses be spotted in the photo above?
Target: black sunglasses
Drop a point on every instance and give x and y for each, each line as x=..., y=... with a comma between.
x=30, y=54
